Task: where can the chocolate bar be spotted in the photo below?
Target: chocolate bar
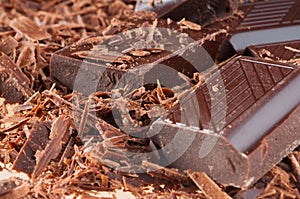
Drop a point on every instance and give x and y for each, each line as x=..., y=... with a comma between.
x=264, y=22
x=226, y=125
x=201, y=12
x=238, y=135
x=96, y=59
x=280, y=51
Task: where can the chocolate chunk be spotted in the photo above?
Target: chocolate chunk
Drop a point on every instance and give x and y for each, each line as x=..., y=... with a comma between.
x=201, y=12
x=265, y=22
x=14, y=84
x=99, y=63
x=280, y=51
x=37, y=140
x=241, y=122
x=45, y=143
x=59, y=136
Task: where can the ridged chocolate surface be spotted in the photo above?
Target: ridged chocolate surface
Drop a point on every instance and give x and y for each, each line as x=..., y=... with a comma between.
x=270, y=13
x=277, y=51
x=266, y=22
x=246, y=89
x=261, y=103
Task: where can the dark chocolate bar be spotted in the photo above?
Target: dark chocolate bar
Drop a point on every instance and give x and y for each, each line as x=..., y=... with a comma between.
x=97, y=62
x=247, y=115
x=281, y=51
x=265, y=22
x=202, y=12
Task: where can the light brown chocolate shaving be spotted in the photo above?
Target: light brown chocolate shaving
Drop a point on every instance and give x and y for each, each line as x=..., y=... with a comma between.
x=207, y=185
x=30, y=29
x=13, y=76
x=59, y=135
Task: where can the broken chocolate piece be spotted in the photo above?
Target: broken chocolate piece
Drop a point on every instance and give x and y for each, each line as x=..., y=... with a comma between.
x=37, y=140
x=59, y=136
x=281, y=51
x=264, y=22
x=201, y=12
x=99, y=63
x=43, y=145
x=14, y=84
x=260, y=98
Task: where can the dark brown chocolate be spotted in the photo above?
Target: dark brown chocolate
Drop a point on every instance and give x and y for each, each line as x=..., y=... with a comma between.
x=45, y=143
x=264, y=22
x=236, y=129
x=37, y=140
x=14, y=84
x=281, y=51
x=97, y=62
x=201, y=12
x=58, y=138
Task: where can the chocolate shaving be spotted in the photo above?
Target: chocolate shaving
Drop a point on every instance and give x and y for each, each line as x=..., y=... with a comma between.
x=207, y=185
x=188, y=24
x=8, y=45
x=59, y=136
x=292, y=49
x=13, y=188
x=113, y=57
x=14, y=84
x=30, y=29
x=139, y=53
x=162, y=172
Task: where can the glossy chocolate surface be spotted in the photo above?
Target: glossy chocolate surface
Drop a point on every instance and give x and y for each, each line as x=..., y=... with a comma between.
x=257, y=99
x=247, y=89
x=266, y=22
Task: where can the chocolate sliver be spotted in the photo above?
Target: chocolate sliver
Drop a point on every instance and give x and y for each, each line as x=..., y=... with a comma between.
x=14, y=84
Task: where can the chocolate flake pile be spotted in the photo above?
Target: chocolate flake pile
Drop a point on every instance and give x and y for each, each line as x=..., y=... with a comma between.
x=70, y=144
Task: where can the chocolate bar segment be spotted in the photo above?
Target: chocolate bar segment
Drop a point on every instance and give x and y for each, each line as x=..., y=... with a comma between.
x=201, y=12
x=104, y=66
x=261, y=98
x=280, y=51
x=265, y=22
